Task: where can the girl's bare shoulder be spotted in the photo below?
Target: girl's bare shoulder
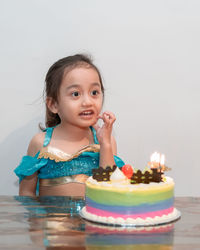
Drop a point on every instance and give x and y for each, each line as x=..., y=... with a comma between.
x=36, y=144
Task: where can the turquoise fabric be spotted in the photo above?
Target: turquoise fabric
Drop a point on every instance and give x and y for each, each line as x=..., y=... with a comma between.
x=47, y=168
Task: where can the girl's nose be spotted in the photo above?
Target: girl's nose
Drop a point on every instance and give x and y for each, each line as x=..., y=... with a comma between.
x=86, y=100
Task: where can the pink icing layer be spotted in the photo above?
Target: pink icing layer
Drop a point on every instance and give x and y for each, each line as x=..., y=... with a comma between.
x=103, y=213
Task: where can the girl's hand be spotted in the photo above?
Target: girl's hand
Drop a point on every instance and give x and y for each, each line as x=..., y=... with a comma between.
x=81, y=178
x=104, y=132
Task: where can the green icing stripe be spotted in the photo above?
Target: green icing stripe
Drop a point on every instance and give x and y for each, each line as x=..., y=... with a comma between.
x=127, y=199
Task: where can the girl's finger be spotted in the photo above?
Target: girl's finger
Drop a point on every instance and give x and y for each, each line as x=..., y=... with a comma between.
x=110, y=114
x=109, y=118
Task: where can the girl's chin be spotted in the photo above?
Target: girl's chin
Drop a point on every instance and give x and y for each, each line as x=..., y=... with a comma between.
x=87, y=124
x=91, y=122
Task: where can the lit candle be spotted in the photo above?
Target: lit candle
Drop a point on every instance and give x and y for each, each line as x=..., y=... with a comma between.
x=162, y=160
x=155, y=160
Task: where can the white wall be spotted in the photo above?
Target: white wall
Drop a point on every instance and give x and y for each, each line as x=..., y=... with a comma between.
x=148, y=53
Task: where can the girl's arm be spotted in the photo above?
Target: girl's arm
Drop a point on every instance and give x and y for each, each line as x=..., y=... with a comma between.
x=107, y=152
x=108, y=147
x=28, y=185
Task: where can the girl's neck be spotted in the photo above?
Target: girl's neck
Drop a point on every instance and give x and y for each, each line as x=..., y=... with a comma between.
x=72, y=133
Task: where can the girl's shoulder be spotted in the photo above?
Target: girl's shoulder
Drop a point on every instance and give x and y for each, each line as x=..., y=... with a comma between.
x=36, y=144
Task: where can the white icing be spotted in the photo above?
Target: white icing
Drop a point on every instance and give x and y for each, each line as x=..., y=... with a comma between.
x=120, y=220
x=117, y=175
x=139, y=221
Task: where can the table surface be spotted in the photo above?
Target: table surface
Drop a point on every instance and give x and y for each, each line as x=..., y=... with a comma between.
x=54, y=223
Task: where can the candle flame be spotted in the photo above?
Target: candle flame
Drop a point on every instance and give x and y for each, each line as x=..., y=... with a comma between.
x=162, y=160
x=155, y=157
x=158, y=158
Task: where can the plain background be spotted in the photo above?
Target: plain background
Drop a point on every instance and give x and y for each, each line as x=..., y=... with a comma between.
x=148, y=53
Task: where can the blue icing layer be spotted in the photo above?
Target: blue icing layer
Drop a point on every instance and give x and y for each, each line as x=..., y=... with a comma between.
x=128, y=210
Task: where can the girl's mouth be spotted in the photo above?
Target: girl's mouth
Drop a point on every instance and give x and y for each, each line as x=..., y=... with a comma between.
x=87, y=114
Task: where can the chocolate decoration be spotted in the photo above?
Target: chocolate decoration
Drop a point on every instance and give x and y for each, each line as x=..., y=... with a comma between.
x=154, y=175
x=103, y=174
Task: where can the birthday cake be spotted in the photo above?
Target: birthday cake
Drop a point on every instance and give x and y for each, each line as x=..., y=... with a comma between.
x=129, y=197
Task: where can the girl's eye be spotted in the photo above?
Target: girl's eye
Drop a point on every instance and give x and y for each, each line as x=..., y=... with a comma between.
x=95, y=92
x=75, y=94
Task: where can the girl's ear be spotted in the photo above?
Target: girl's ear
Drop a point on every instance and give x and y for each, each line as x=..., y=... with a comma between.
x=52, y=105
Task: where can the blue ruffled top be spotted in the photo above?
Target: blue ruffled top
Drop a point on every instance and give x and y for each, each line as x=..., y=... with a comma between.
x=48, y=168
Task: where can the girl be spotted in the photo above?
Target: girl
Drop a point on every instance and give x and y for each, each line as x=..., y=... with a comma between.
x=62, y=157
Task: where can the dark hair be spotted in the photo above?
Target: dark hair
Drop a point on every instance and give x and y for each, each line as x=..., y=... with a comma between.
x=54, y=78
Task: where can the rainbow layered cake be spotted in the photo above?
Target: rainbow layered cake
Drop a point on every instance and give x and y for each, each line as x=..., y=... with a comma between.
x=126, y=197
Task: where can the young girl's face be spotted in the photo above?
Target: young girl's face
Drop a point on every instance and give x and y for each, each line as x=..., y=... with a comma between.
x=80, y=97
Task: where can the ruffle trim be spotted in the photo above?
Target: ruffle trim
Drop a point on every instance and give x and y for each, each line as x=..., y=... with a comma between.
x=28, y=166
x=61, y=156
